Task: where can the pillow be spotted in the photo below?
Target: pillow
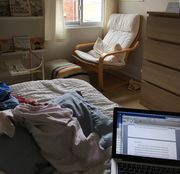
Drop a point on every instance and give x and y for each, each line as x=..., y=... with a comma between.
x=117, y=47
x=101, y=47
x=118, y=58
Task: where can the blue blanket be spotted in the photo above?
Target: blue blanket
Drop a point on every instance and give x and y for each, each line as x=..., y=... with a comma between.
x=7, y=101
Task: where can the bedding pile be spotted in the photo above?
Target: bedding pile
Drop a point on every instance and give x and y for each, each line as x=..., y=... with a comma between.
x=73, y=129
x=7, y=101
x=60, y=137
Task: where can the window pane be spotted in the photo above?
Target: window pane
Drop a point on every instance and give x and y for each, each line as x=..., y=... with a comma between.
x=71, y=13
x=92, y=10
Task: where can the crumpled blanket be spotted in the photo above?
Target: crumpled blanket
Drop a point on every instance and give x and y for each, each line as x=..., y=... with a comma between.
x=60, y=137
x=90, y=118
x=7, y=101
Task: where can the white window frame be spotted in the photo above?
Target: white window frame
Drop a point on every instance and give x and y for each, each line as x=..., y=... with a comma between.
x=80, y=14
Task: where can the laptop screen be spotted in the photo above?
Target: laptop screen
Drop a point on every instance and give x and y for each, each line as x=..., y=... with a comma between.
x=146, y=134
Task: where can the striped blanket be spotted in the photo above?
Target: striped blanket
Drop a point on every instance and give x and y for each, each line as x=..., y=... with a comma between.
x=66, y=70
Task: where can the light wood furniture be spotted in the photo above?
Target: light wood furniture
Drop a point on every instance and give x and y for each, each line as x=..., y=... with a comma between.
x=161, y=64
x=99, y=67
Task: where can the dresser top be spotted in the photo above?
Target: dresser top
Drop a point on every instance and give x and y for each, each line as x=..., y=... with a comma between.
x=164, y=14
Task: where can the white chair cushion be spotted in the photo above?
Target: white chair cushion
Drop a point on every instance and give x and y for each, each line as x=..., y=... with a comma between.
x=86, y=56
x=123, y=29
x=123, y=22
x=101, y=47
x=91, y=56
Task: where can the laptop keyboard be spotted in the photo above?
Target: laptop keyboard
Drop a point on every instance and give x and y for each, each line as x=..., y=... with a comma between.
x=130, y=168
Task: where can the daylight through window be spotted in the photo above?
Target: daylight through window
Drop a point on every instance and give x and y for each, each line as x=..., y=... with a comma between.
x=83, y=12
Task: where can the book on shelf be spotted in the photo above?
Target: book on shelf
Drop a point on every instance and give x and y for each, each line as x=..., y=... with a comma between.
x=20, y=7
x=4, y=8
x=36, y=7
x=6, y=45
x=22, y=43
x=15, y=67
x=37, y=43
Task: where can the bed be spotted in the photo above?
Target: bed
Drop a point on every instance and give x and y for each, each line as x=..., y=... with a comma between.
x=45, y=91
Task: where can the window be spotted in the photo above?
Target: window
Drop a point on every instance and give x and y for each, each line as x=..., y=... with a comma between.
x=83, y=12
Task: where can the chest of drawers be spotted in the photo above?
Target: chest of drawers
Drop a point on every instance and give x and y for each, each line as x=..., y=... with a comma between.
x=161, y=64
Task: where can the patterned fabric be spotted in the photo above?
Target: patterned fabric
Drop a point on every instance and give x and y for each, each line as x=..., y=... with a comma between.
x=67, y=70
x=7, y=101
x=46, y=90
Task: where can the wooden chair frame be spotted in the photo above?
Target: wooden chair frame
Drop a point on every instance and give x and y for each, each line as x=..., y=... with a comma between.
x=99, y=66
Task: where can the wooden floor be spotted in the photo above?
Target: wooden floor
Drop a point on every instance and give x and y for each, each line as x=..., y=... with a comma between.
x=119, y=93
x=125, y=97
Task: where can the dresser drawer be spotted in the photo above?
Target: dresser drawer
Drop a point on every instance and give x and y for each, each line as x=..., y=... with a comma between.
x=161, y=76
x=164, y=28
x=163, y=53
x=156, y=98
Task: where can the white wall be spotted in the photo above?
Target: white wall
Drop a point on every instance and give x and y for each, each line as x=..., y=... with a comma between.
x=74, y=36
x=143, y=6
x=133, y=68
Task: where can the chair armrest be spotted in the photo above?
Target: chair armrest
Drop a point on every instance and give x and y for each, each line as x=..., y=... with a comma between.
x=126, y=50
x=78, y=46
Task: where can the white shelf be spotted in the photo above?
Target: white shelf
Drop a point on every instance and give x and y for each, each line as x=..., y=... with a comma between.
x=19, y=52
x=17, y=70
x=21, y=17
x=16, y=67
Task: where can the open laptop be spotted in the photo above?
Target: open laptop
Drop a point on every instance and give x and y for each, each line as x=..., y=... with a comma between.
x=145, y=141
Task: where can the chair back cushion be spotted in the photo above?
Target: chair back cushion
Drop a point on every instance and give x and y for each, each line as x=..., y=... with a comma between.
x=122, y=29
x=123, y=22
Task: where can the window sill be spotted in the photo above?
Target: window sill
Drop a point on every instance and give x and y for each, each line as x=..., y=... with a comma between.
x=81, y=27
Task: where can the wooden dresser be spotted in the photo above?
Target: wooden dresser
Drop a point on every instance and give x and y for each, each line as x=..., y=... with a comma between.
x=161, y=64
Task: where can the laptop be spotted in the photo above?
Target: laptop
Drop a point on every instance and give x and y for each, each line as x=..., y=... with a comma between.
x=145, y=141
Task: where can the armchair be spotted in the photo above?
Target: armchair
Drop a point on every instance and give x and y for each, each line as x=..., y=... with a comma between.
x=121, y=39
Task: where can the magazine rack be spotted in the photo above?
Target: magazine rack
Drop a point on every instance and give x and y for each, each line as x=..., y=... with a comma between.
x=17, y=67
